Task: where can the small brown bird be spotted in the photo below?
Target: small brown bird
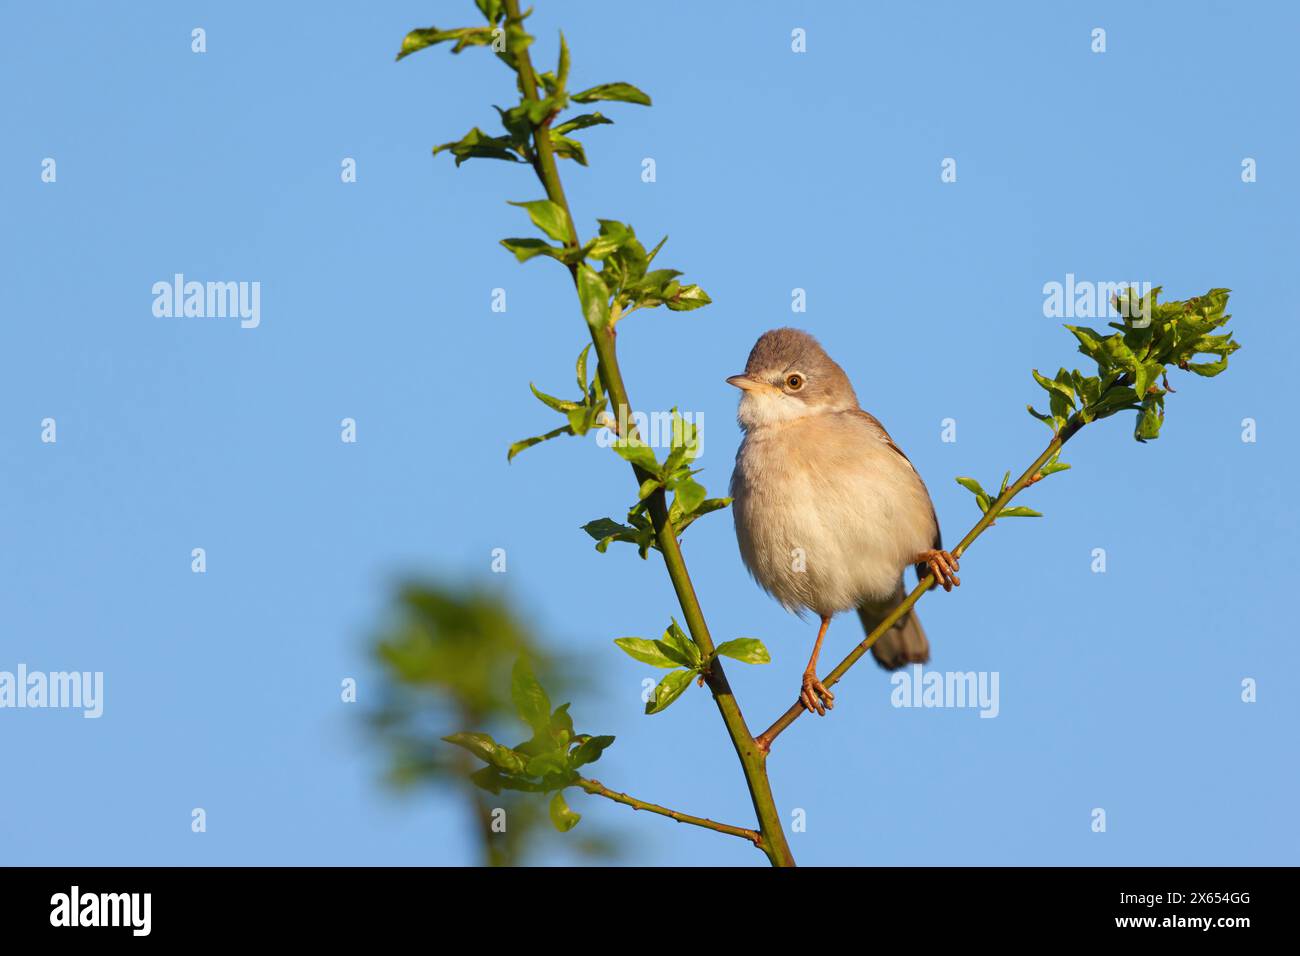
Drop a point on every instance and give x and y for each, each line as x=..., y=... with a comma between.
x=828, y=510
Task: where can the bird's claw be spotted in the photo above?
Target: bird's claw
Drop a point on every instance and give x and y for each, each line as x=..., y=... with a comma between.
x=815, y=696
x=944, y=567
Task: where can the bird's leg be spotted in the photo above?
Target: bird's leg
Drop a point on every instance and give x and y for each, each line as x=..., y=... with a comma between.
x=943, y=566
x=814, y=695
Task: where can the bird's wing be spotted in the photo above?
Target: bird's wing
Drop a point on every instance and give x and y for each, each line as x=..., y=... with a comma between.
x=883, y=435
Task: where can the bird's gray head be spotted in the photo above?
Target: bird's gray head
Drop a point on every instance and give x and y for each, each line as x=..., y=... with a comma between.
x=789, y=376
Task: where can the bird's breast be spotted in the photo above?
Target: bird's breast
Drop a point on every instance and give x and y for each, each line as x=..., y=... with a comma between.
x=827, y=515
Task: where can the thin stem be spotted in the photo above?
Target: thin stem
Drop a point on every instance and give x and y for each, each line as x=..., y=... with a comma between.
x=752, y=759
x=986, y=521
x=599, y=789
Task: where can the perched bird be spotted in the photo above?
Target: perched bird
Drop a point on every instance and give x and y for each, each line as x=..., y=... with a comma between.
x=828, y=510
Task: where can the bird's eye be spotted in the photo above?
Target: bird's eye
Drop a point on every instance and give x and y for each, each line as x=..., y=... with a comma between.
x=794, y=382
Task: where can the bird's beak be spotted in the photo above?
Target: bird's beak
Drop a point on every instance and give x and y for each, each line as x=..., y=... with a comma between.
x=744, y=382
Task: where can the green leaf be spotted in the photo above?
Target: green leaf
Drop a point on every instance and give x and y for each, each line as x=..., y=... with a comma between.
x=649, y=290
x=1146, y=374
x=1114, y=399
x=480, y=745
x=562, y=68
x=637, y=452
x=520, y=445
x=528, y=115
x=1087, y=388
x=603, y=528
x=525, y=249
x=647, y=652
x=490, y=778
x=477, y=144
x=488, y=750
x=518, y=124
x=417, y=40
x=548, y=217
x=563, y=818
x=494, y=10
x=650, y=256
x=710, y=505
x=612, y=236
x=548, y=763
x=626, y=266
x=589, y=751
x=583, y=419
x=550, y=401
x=530, y=699
x=583, y=121
x=747, y=649
x=1019, y=512
x=669, y=689
x=561, y=722
x=685, y=443
x=1150, y=417
x=566, y=148
x=606, y=530
x=494, y=781
x=689, y=494
x=690, y=297
x=678, y=646
x=1118, y=353
x=1048, y=419
x=580, y=368
x=1064, y=391
x=1208, y=369
x=974, y=487
x=1089, y=342
x=487, y=778
x=623, y=92
x=594, y=296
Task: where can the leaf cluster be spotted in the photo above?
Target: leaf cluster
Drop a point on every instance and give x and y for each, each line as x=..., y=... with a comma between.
x=626, y=281
x=985, y=500
x=1133, y=362
x=690, y=500
x=623, y=283
x=507, y=38
x=582, y=414
x=547, y=762
x=677, y=653
x=1132, y=372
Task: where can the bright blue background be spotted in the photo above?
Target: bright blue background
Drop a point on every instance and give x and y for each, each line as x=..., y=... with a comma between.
x=775, y=171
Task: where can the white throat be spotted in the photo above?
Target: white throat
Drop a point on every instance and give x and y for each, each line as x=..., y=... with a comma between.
x=760, y=407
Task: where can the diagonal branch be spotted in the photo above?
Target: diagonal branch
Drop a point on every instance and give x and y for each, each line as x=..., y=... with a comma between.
x=764, y=740
x=597, y=788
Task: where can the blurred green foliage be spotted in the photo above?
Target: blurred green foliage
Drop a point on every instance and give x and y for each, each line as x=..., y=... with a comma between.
x=446, y=658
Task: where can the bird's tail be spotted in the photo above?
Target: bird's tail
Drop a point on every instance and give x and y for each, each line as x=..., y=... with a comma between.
x=904, y=643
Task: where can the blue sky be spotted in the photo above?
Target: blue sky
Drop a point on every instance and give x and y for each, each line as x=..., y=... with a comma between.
x=775, y=171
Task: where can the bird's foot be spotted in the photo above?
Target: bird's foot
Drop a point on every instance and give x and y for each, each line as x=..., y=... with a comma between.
x=815, y=696
x=943, y=566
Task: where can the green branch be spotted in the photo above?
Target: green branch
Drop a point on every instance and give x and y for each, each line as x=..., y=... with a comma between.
x=1031, y=475
x=597, y=788
x=752, y=760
